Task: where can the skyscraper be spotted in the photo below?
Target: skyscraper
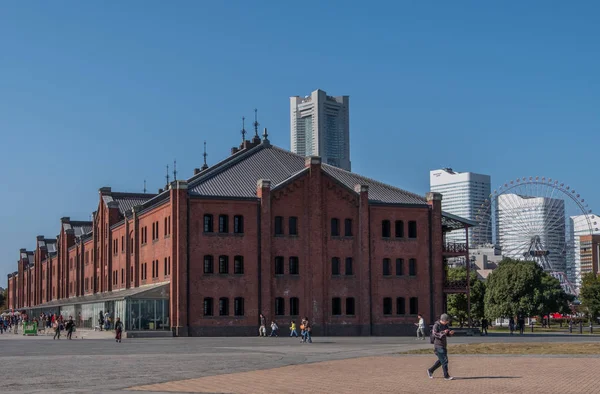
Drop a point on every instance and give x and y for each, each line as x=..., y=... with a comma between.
x=532, y=228
x=320, y=126
x=580, y=226
x=463, y=193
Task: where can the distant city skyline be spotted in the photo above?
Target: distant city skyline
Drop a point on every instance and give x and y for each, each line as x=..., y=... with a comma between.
x=320, y=126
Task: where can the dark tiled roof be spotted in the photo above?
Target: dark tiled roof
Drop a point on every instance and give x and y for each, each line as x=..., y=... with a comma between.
x=79, y=228
x=127, y=201
x=237, y=175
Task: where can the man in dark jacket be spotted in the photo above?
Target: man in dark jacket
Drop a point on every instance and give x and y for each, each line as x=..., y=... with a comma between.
x=440, y=333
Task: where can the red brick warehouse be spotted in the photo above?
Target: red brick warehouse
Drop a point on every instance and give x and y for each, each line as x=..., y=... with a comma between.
x=263, y=231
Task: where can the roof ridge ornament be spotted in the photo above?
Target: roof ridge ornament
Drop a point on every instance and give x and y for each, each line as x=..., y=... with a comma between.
x=256, y=124
x=204, y=166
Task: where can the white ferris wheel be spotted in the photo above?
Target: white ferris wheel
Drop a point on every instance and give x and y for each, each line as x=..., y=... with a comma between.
x=539, y=219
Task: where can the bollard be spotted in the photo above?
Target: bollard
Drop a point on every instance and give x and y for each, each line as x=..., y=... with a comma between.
x=591, y=328
x=580, y=327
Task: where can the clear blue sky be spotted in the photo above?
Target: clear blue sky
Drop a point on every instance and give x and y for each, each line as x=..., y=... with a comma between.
x=107, y=93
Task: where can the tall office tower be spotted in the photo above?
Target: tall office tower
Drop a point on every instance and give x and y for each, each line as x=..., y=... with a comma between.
x=580, y=227
x=320, y=126
x=463, y=193
x=532, y=224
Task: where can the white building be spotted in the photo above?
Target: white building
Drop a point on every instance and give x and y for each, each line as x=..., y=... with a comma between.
x=463, y=193
x=485, y=259
x=532, y=224
x=320, y=126
x=580, y=225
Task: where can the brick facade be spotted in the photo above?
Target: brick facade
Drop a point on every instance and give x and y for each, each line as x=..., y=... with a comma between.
x=315, y=243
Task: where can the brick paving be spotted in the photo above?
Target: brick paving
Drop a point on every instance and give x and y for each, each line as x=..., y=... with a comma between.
x=404, y=374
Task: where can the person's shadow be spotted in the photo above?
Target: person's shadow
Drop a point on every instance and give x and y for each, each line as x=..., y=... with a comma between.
x=486, y=377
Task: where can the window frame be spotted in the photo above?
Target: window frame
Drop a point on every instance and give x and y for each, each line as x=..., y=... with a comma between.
x=349, y=263
x=238, y=265
x=223, y=264
x=208, y=223
x=350, y=304
x=336, y=306
x=223, y=224
x=210, y=263
x=387, y=309
x=399, y=225
x=279, y=306
x=294, y=306
x=208, y=306
x=278, y=226
x=279, y=263
x=293, y=226
x=335, y=227
x=400, y=306
x=238, y=224
x=416, y=306
x=335, y=266
x=412, y=229
x=348, y=228
x=294, y=265
x=412, y=267
x=386, y=267
x=238, y=305
x=400, y=264
x=223, y=306
x=386, y=229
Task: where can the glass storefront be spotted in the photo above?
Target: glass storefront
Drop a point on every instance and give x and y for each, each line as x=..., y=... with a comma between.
x=138, y=309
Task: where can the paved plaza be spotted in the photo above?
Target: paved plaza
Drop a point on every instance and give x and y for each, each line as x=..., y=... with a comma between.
x=280, y=365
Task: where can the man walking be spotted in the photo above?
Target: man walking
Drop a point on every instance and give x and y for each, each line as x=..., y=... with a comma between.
x=440, y=333
x=262, y=330
x=484, y=326
x=420, y=327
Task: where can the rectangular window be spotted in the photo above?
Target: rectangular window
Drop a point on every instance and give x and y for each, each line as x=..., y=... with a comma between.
x=131, y=273
x=153, y=273
x=279, y=265
x=223, y=307
x=293, y=225
x=166, y=267
x=238, y=224
x=387, y=270
x=400, y=306
x=87, y=257
x=223, y=264
x=223, y=224
x=387, y=306
x=208, y=306
x=165, y=227
x=294, y=306
x=349, y=267
x=335, y=266
x=169, y=266
x=208, y=223
x=122, y=275
x=123, y=244
x=279, y=306
x=412, y=229
x=336, y=306
x=169, y=225
x=335, y=227
x=348, y=227
x=350, y=306
x=385, y=229
x=278, y=225
x=399, y=229
x=399, y=267
x=208, y=264
x=414, y=305
x=238, y=265
x=238, y=306
x=294, y=266
x=412, y=267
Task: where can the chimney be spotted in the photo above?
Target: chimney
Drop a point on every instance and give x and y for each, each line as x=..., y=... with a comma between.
x=105, y=190
x=196, y=171
x=160, y=191
x=234, y=150
x=65, y=219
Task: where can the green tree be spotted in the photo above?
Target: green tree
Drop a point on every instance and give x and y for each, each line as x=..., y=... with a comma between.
x=523, y=288
x=589, y=295
x=457, y=303
x=3, y=295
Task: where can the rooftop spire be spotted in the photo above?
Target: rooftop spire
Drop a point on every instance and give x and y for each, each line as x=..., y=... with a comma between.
x=167, y=176
x=144, y=186
x=256, y=124
x=174, y=170
x=243, y=129
x=204, y=166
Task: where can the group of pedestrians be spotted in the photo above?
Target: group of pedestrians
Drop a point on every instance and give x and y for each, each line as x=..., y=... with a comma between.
x=519, y=326
x=10, y=323
x=305, y=329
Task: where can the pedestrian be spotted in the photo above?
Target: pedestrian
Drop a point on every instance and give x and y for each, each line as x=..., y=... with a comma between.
x=440, y=333
x=521, y=325
x=101, y=320
x=293, y=332
x=511, y=325
x=56, y=328
x=107, y=321
x=420, y=327
x=70, y=326
x=262, y=329
x=274, y=329
x=118, y=329
x=484, y=326
x=307, y=331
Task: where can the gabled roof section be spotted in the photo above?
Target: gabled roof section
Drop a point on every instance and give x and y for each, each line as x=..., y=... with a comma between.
x=126, y=201
x=237, y=175
x=378, y=191
x=80, y=228
x=453, y=222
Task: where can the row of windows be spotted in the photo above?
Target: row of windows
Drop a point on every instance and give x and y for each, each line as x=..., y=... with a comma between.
x=413, y=306
x=280, y=306
x=238, y=306
x=292, y=225
x=387, y=267
x=336, y=269
x=238, y=224
x=386, y=229
x=336, y=306
x=294, y=265
x=238, y=264
x=335, y=227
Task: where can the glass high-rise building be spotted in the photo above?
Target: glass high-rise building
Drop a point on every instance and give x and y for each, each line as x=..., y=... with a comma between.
x=320, y=126
x=580, y=226
x=463, y=193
